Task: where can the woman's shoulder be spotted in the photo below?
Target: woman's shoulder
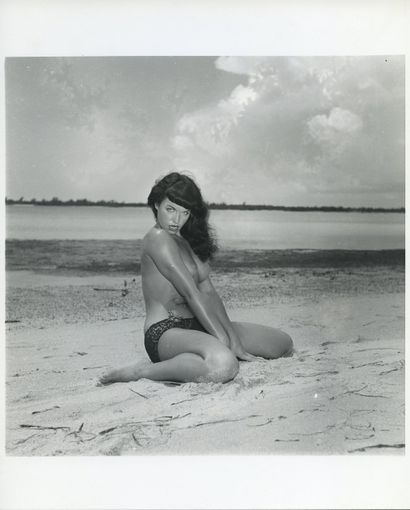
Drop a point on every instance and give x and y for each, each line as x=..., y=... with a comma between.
x=155, y=238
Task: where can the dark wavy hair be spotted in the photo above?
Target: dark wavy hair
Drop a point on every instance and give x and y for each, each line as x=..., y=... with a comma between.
x=183, y=191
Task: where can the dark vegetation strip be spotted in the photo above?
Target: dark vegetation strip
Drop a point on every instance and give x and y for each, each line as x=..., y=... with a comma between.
x=99, y=256
x=221, y=206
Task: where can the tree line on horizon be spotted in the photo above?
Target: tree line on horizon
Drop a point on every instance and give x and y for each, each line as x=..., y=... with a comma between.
x=213, y=205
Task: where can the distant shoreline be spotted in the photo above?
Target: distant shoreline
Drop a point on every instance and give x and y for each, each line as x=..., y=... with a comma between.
x=55, y=202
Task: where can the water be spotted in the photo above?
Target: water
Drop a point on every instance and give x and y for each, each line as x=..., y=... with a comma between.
x=235, y=229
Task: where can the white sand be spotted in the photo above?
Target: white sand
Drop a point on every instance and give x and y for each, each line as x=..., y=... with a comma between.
x=342, y=391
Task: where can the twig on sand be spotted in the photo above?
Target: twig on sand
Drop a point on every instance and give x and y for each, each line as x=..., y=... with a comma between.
x=379, y=445
x=79, y=434
x=165, y=417
x=374, y=363
x=136, y=440
x=183, y=416
x=12, y=321
x=106, y=431
x=140, y=394
x=358, y=392
x=42, y=427
x=324, y=431
x=389, y=371
x=372, y=396
x=223, y=421
x=348, y=392
x=355, y=391
x=180, y=401
x=270, y=420
x=368, y=323
x=45, y=410
x=92, y=368
x=160, y=421
x=287, y=440
x=164, y=420
x=21, y=441
x=317, y=374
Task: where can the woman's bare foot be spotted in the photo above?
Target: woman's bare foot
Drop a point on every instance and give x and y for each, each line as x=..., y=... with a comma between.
x=124, y=374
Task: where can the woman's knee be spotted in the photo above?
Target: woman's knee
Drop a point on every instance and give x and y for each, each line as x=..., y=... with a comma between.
x=222, y=365
x=281, y=345
x=287, y=345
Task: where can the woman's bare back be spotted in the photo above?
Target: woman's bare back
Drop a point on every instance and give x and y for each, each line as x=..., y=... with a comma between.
x=160, y=295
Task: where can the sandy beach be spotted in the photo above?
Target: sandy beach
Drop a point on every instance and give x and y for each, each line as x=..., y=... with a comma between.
x=341, y=392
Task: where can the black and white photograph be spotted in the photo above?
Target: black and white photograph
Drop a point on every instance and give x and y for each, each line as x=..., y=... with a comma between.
x=204, y=255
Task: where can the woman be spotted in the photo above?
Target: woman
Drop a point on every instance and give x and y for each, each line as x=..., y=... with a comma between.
x=188, y=334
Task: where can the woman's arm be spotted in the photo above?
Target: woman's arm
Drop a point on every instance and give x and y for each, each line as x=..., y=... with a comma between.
x=206, y=287
x=164, y=251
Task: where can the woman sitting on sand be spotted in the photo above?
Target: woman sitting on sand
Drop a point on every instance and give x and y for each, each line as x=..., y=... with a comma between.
x=188, y=334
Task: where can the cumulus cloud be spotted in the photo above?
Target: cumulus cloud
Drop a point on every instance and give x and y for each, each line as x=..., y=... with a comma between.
x=209, y=130
x=337, y=129
x=300, y=128
x=239, y=65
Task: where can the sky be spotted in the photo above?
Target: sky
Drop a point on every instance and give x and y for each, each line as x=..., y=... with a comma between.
x=262, y=130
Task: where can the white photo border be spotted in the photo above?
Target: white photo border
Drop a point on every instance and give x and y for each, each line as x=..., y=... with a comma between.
x=224, y=27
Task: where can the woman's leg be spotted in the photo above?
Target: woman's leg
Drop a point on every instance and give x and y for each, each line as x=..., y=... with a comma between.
x=186, y=356
x=263, y=341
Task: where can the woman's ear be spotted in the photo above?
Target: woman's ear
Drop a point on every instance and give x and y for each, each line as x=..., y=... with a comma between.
x=156, y=206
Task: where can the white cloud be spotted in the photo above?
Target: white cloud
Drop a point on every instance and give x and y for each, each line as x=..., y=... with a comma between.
x=239, y=65
x=334, y=127
x=210, y=128
x=319, y=125
x=240, y=98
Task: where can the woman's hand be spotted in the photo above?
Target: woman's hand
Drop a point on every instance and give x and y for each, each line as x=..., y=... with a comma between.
x=237, y=348
x=225, y=340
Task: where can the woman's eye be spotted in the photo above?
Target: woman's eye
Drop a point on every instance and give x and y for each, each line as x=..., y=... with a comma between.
x=186, y=213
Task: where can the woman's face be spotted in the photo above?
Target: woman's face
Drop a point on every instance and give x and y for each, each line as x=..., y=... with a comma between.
x=171, y=217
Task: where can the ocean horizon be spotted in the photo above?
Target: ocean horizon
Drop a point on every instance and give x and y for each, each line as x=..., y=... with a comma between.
x=235, y=229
